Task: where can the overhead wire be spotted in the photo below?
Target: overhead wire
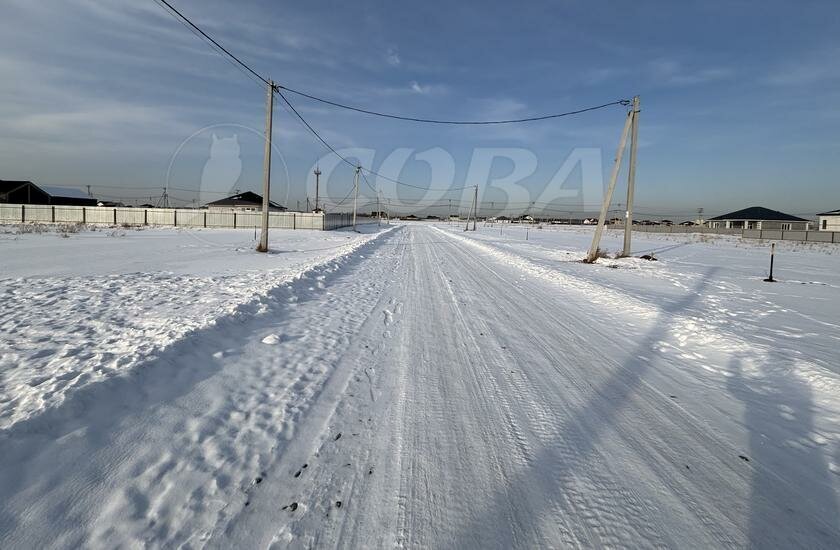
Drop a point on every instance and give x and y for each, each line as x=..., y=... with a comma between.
x=195, y=29
x=624, y=102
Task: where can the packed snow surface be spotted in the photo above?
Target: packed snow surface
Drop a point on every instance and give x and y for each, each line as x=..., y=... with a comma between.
x=417, y=386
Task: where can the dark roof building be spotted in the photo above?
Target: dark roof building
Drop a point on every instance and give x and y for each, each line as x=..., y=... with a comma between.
x=758, y=217
x=244, y=201
x=22, y=192
x=26, y=192
x=68, y=196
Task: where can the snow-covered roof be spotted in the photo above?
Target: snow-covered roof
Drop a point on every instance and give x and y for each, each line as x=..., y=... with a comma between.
x=830, y=213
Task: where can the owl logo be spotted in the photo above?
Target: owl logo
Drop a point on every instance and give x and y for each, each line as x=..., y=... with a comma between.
x=222, y=170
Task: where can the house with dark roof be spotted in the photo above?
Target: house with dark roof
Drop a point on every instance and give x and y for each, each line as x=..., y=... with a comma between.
x=68, y=196
x=758, y=217
x=22, y=192
x=829, y=221
x=26, y=192
x=247, y=201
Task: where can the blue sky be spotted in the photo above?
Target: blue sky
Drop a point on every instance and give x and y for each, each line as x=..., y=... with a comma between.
x=741, y=100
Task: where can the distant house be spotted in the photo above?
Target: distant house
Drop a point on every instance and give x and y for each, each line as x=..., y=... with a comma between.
x=26, y=192
x=65, y=196
x=247, y=201
x=758, y=217
x=22, y=192
x=410, y=217
x=830, y=221
x=688, y=223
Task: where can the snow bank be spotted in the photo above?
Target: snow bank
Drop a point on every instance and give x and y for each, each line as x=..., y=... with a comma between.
x=87, y=306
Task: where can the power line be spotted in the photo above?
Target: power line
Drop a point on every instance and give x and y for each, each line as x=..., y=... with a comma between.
x=454, y=122
x=192, y=25
x=196, y=29
x=276, y=88
x=344, y=159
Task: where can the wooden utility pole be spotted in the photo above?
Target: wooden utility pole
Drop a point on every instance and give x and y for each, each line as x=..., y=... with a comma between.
x=356, y=194
x=378, y=211
x=596, y=240
x=317, y=184
x=269, y=111
x=631, y=177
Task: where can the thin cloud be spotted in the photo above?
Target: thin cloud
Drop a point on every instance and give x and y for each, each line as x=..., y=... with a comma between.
x=672, y=72
x=393, y=57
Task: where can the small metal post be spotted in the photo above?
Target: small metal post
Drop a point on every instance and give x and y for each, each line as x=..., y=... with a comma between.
x=770, y=279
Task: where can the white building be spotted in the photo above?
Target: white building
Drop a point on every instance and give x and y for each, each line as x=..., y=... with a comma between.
x=830, y=221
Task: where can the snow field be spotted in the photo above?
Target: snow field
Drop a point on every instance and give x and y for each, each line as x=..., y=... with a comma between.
x=81, y=309
x=435, y=388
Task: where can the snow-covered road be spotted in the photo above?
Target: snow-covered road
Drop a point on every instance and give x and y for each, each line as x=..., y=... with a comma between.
x=436, y=389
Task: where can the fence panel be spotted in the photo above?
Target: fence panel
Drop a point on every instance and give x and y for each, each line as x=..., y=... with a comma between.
x=219, y=219
x=38, y=213
x=10, y=212
x=281, y=220
x=309, y=221
x=160, y=216
x=131, y=216
x=96, y=214
x=69, y=214
x=247, y=219
x=821, y=236
x=190, y=218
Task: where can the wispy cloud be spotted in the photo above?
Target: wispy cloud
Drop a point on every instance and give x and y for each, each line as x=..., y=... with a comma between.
x=806, y=70
x=393, y=57
x=673, y=72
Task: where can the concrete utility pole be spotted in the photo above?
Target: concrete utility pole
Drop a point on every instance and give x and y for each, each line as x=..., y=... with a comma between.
x=269, y=111
x=471, y=211
x=356, y=194
x=378, y=211
x=388, y=212
x=631, y=177
x=475, y=207
x=317, y=173
x=596, y=240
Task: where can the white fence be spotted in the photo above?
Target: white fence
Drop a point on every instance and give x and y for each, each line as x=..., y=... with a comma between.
x=175, y=217
x=769, y=234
